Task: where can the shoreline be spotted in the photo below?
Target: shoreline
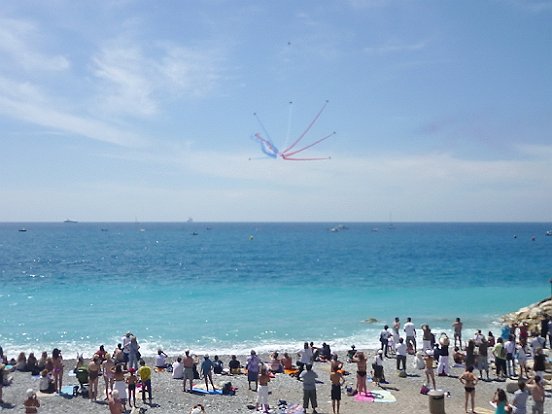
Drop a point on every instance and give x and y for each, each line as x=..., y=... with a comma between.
x=169, y=398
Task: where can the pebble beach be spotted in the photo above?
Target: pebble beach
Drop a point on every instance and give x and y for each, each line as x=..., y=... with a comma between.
x=169, y=398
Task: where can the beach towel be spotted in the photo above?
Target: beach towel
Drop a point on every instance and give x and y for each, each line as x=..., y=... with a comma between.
x=202, y=389
x=69, y=390
x=380, y=396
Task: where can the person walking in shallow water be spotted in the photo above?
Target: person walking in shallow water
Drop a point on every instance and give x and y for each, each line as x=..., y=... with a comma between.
x=457, y=326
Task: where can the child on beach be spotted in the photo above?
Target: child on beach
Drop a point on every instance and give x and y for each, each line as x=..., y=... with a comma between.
x=337, y=380
x=31, y=404
x=131, y=380
x=57, y=370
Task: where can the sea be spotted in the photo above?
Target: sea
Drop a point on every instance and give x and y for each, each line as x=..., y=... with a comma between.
x=228, y=288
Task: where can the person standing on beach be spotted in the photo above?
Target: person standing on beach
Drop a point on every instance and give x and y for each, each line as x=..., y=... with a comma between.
x=305, y=357
x=262, y=394
x=400, y=350
x=133, y=353
x=132, y=380
x=57, y=371
x=188, y=363
x=207, y=371
x=395, y=330
x=126, y=346
x=377, y=366
x=144, y=372
x=537, y=394
x=510, y=348
x=430, y=375
x=309, y=388
x=2, y=373
x=93, y=375
x=384, y=339
x=457, y=326
x=360, y=360
x=469, y=380
x=252, y=366
x=500, y=358
x=520, y=398
x=337, y=380
x=483, y=359
x=410, y=333
x=539, y=362
x=426, y=338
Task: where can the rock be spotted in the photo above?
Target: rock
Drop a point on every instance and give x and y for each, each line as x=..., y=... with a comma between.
x=532, y=314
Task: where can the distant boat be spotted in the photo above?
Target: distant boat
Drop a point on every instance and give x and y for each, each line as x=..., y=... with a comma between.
x=195, y=233
x=22, y=230
x=190, y=220
x=548, y=233
x=70, y=221
x=339, y=227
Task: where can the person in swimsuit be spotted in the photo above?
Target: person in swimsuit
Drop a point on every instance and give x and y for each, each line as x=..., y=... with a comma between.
x=93, y=374
x=131, y=381
x=337, y=380
x=262, y=391
x=335, y=364
x=469, y=380
x=360, y=360
x=430, y=375
x=108, y=366
x=57, y=370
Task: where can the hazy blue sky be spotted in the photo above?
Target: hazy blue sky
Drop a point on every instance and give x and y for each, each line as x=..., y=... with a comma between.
x=116, y=110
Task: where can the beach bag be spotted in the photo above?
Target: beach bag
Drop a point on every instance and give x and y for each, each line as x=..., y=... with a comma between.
x=227, y=389
x=424, y=390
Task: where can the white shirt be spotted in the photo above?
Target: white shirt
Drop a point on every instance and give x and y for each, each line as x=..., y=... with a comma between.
x=401, y=349
x=409, y=329
x=160, y=361
x=305, y=356
x=178, y=370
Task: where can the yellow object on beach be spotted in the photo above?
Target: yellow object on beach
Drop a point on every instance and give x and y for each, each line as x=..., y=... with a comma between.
x=291, y=371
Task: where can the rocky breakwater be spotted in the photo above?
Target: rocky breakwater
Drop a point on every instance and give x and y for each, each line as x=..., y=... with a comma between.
x=532, y=315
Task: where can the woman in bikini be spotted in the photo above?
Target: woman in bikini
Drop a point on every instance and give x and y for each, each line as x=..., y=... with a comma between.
x=108, y=369
x=469, y=380
x=57, y=369
x=93, y=374
x=360, y=360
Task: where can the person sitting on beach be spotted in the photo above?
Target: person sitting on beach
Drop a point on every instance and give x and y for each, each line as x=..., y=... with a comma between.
x=458, y=356
x=144, y=372
x=351, y=353
x=207, y=371
x=42, y=361
x=361, y=362
x=161, y=360
x=252, y=366
x=430, y=375
x=218, y=365
x=469, y=380
x=275, y=364
x=287, y=362
x=315, y=352
x=114, y=403
x=57, y=369
x=326, y=353
x=32, y=364
x=31, y=404
x=234, y=365
x=131, y=381
x=178, y=369
x=21, y=364
x=377, y=366
x=46, y=383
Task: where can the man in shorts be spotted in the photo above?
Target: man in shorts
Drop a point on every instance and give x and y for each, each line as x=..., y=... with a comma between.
x=410, y=333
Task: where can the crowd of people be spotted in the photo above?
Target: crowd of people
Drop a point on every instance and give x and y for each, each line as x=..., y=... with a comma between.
x=124, y=371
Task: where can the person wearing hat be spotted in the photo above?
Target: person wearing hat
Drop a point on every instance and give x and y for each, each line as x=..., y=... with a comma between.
x=31, y=404
x=207, y=371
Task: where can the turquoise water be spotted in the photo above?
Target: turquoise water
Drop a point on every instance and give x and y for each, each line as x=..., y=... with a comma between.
x=225, y=287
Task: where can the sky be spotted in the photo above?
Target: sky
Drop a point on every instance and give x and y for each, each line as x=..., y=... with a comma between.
x=144, y=110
